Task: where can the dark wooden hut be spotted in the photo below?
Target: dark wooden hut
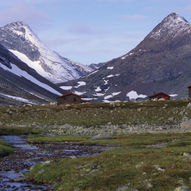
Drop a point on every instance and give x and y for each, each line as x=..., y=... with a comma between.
x=160, y=95
x=189, y=91
x=69, y=98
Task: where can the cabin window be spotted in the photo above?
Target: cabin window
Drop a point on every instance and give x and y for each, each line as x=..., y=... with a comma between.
x=75, y=99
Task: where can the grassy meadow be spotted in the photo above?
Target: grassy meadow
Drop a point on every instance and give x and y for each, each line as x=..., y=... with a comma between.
x=139, y=161
x=5, y=148
x=95, y=114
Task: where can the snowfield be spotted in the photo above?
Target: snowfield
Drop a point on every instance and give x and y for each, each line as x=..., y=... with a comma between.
x=50, y=64
x=98, y=89
x=66, y=87
x=134, y=95
x=79, y=93
x=17, y=71
x=80, y=83
x=18, y=98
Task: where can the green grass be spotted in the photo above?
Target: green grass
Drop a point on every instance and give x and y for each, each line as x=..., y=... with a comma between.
x=122, y=140
x=132, y=165
x=42, y=139
x=6, y=130
x=5, y=148
x=95, y=114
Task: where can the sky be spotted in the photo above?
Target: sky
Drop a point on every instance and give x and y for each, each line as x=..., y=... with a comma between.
x=91, y=31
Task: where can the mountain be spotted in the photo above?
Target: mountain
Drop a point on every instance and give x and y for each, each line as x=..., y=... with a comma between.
x=161, y=62
x=18, y=38
x=20, y=84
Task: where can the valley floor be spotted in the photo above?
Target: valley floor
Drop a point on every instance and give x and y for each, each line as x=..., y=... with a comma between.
x=150, y=144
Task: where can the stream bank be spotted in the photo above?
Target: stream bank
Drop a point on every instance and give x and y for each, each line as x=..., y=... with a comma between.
x=13, y=166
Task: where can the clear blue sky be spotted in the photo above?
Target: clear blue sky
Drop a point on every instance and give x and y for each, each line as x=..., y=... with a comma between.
x=91, y=31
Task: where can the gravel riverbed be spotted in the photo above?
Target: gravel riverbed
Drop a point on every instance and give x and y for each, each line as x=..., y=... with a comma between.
x=14, y=166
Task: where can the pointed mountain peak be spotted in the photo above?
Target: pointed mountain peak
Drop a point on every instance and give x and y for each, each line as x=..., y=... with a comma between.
x=175, y=17
x=171, y=26
x=16, y=24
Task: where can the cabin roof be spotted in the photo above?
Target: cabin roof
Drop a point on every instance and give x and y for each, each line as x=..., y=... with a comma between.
x=70, y=93
x=154, y=95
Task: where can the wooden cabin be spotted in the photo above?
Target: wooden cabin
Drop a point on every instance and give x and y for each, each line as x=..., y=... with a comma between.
x=69, y=98
x=189, y=91
x=160, y=95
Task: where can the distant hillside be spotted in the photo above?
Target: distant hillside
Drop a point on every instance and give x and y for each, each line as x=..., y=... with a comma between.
x=161, y=62
x=20, y=84
x=21, y=41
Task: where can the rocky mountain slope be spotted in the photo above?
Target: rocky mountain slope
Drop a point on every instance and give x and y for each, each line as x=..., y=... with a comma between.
x=21, y=41
x=20, y=84
x=161, y=62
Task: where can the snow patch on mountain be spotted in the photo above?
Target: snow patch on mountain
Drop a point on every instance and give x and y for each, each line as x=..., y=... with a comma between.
x=125, y=56
x=134, y=95
x=112, y=95
x=33, y=64
x=17, y=71
x=174, y=25
x=66, y=87
x=18, y=98
x=80, y=83
x=79, y=93
x=110, y=68
x=98, y=94
x=112, y=75
x=106, y=82
x=92, y=73
x=46, y=62
x=173, y=95
x=98, y=89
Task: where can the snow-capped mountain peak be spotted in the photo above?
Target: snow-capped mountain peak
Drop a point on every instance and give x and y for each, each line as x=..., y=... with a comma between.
x=173, y=25
x=22, y=41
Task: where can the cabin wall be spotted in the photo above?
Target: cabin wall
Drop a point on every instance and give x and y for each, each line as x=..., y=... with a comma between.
x=160, y=96
x=70, y=99
x=189, y=92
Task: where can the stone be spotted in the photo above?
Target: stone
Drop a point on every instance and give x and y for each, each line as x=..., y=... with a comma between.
x=148, y=184
x=186, y=125
x=100, y=137
x=161, y=99
x=182, y=188
x=187, y=156
x=189, y=106
x=139, y=165
x=159, y=168
x=123, y=188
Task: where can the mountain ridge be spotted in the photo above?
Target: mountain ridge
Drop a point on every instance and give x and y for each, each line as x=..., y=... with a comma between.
x=20, y=84
x=24, y=43
x=154, y=65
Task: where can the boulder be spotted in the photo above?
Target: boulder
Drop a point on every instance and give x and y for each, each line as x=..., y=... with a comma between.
x=186, y=124
x=189, y=106
x=100, y=137
x=182, y=188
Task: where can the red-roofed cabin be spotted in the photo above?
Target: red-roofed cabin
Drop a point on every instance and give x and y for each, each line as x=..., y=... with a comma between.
x=69, y=98
x=160, y=95
x=189, y=91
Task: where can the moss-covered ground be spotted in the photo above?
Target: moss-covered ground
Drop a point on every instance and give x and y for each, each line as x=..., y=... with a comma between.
x=156, y=162
x=5, y=148
x=139, y=163
x=95, y=114
x=12, y=130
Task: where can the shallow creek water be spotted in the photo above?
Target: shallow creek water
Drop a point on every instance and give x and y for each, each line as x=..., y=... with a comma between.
x=13, y=167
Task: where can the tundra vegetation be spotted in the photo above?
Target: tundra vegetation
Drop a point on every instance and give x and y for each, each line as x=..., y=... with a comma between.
x=151, y=144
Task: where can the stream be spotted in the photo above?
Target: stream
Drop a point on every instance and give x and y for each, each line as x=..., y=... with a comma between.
x=13, y=166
